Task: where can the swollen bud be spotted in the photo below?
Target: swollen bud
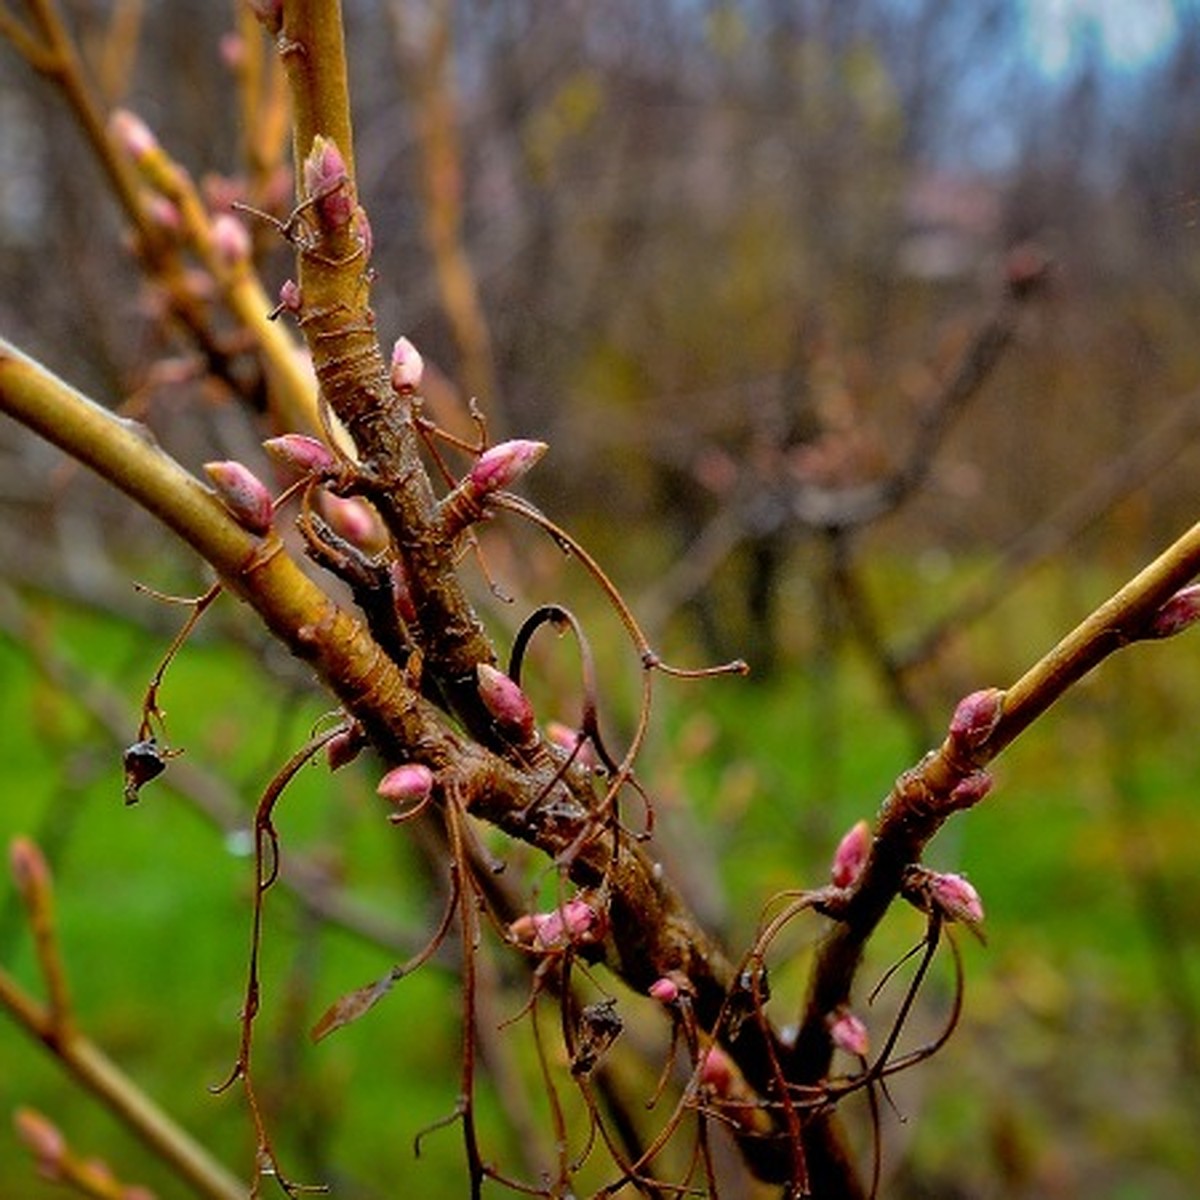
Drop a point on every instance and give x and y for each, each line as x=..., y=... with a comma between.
x=976, y=716
x=969, y=791
x=300, y=452
x=956, y=898
x=508, y=705
x=851, y=855
x=406, y=786
x=503, y=464
x=1179, y=613
x=848, y=1032
x=326, y=183
x=230, y=240
x=44, y=1139
x=242, y=493
x=407, y=367
x=576, y=923
x=353, y=519
x=943, y=892
x=717, y=1071
x=132, y=134
x=664, y=990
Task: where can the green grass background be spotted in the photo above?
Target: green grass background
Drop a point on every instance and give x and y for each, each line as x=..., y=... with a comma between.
x=1074, y=1071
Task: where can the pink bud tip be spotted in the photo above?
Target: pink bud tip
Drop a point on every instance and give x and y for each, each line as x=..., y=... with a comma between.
x=290, y=297
x=29, y=868
x=344, y=747
x=576, y=922
x=970, y=790
x=524, y=928
x=1026, y=269
x=232, y=48
x=230, y=240
x=851, y=855
x=326, y=182
x=163, y=213
x=573, y=742
x=242, y=493
x=300, y=452
x=955, y=898
x=353, y=519
x=503, y=464
x=716, y=1070
x=407, y=367
x=976, y=716
x=507, y=704
x=1179, y=613
x=44, y=1139
x=132, y=134
x=407, y=784
x=664, y=990
x=849, y=1033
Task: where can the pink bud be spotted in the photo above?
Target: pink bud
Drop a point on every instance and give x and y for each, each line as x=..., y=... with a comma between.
x=290, y=297
x=344, y=747
x=955, y=898
x=507, y=704
x=407, y=367
x=230, y=240
x=300, y=452
x=44, y=1139
x=132, y=134
x=406, y=785
x=1179, y=613
x=849, y=1033
x=242, y=493
x=976, y=716
x=717, y=1071
x=29, y=869
x=232, y=48
x=575, y=922
x=1026, y=269
x=326, y=183
x=502, y=464
x=573, y=742
x=970, y=790
x=163, y=213
x=664, y=990
x=524, y=928
x=353, y=519
x=851, y=855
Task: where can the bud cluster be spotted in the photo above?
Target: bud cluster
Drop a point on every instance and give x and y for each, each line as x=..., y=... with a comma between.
x=578, y=922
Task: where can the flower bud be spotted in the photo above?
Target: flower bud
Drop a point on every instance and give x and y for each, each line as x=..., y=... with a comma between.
x=717, y=1071
x=363, y=231
x=407, y=785
x=327, y=183
x=44, y=1139
x=971, y=790
x=955, y=898
x=344, y=747
x=664, y=990
x=162, y=212
x=300, y=452
x=1179, y=613
x=848, y=1033
x=291, y=299
x=242, y=493
x=132, y=134
x=851, y=855
x=573, y=742
x=576, y=923
x=407, y=367
x=230, y=240
x=353, y=519
x=504, y=463
x=508, y=705
x=976, y=716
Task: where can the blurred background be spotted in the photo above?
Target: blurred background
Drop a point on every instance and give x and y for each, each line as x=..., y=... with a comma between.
x=863, y=333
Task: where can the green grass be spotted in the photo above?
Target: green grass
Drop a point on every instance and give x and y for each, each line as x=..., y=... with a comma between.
x=1067, y=1060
